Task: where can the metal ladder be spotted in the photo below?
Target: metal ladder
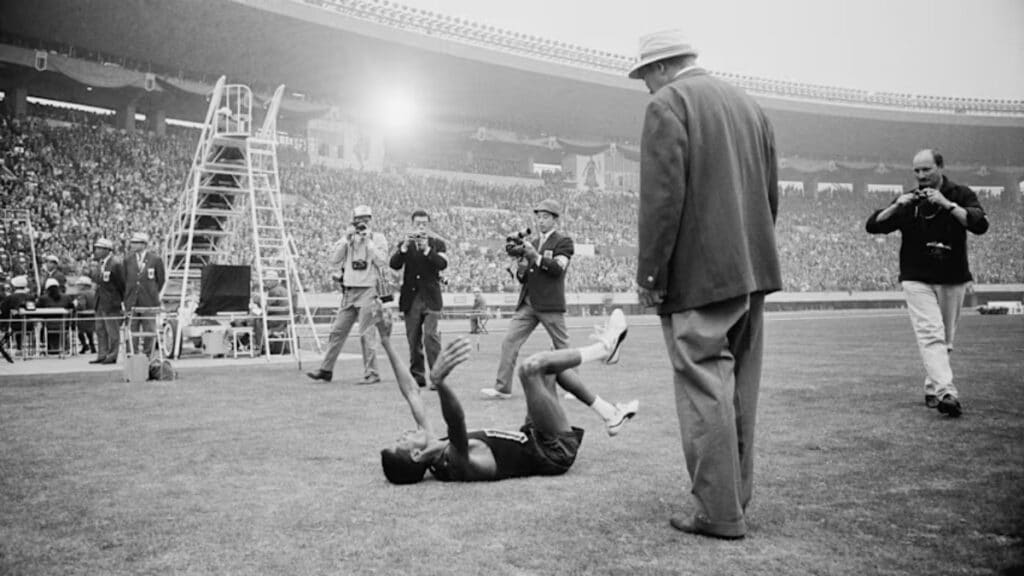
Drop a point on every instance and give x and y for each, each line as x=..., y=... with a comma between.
x=233, y=188
x=275, y=254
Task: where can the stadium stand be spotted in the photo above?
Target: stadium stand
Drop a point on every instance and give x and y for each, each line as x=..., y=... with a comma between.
x=84, y=180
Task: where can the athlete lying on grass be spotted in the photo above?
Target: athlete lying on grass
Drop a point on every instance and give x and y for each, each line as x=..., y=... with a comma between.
x=545, y=445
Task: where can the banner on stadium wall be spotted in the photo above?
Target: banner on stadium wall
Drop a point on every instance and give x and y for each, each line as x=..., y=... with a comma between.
x=345, y=144
x=588, y=171
x=583, y=250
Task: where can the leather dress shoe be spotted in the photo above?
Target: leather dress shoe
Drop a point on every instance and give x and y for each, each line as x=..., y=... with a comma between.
x=109, y=361
x=321, y=375
x=96, y=361
x=692, y=526
x=495, y=394
x=950, y=406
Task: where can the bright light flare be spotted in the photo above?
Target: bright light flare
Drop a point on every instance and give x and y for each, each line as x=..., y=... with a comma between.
x=397, y=112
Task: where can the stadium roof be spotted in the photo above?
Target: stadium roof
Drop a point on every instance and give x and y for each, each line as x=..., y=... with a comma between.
x=347, y=50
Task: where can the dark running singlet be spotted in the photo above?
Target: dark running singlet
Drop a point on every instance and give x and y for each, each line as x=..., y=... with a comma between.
x=518, y=454
x=514, y=456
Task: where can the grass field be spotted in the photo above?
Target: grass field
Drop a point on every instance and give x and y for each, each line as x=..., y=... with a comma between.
x=261, y=471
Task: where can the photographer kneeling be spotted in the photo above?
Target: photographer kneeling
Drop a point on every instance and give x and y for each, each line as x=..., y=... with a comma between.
x=362, y=255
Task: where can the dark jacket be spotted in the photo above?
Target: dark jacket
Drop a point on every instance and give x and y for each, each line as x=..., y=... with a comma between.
x=708, y=195
x=544, y=283
x=919, y=226
x=109, y=281
x=422, y=274
x=56, y=274
x=142, y=285
x=56, y=299
x=10, y=303
x=86, y=300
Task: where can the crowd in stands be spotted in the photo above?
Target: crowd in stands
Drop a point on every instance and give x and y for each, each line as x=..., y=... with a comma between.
x=86, y=181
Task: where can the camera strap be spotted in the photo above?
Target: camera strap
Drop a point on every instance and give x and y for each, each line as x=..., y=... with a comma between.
x=352, y=251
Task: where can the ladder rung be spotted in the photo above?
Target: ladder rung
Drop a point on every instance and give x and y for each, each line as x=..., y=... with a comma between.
x=213, y=233
x=223, y=190
x=222, y=212
x=198, y=252
x=224, y=168
x=234, y=141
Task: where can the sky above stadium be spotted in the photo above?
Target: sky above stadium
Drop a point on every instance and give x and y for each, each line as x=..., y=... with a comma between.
x=963, y=48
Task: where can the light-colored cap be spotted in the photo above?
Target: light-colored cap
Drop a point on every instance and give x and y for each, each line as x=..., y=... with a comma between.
x=104, y=243
x=51, y=258
x=659, y=46
x=362, y=210
x=550, y=206
x=476, y=289
x=140, y=237
x=50, y=282
x=19, y=281
x=84, y=281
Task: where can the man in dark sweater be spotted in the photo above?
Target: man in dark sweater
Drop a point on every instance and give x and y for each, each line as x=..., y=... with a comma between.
x=934, y=219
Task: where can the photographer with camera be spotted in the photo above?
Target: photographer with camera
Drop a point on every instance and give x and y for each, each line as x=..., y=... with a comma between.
x=423, y=256
x=933, y=220
x=541, y=267
x=362, y=255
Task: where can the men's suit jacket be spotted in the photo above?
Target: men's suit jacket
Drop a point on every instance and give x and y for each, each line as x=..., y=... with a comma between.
x=109, y=281
x=421, y=275
x=708, y=195
x=544, y=283
x=9, y=304
x=143, y=284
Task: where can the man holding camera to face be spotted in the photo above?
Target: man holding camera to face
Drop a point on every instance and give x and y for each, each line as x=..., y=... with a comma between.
x=542, y=263
x=423, y=256
x=934, y=219
x=362, y=255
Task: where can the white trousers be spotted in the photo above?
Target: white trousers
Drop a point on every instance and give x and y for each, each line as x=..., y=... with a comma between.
x=934, y=313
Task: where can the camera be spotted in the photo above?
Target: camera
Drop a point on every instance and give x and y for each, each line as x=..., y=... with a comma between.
x=922, y=206
x=919, y=196
x=415, y=238
x=514, y=243
x=360, y=227
x=359, y=265
x=937, y=251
